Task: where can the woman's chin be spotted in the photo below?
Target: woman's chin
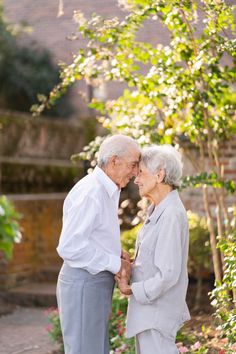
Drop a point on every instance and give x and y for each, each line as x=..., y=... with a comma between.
x=141, y=193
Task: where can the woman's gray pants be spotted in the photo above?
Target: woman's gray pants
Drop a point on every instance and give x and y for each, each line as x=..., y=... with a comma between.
x=84, y=302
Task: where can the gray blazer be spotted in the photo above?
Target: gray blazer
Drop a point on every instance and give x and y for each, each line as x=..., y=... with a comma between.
x=159, y=275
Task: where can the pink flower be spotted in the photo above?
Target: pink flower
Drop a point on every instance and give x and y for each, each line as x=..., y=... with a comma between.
x=183, y=349
x=196, y=346
x=49, y=328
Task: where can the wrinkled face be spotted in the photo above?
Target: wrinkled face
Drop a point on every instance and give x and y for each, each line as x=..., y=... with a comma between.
x=126, y=167
x=146, y=181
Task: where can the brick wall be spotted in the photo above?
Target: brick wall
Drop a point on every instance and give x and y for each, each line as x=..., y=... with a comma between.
x=193, y=197
x=41, y=226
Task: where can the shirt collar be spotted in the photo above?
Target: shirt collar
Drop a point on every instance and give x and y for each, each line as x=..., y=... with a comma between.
x=106, y=181
x=155, y=212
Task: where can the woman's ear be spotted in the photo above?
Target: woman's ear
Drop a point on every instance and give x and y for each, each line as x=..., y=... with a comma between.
x=160, y=175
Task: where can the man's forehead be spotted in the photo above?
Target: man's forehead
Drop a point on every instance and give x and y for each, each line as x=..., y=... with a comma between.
x=134, y=158
x=135, y=153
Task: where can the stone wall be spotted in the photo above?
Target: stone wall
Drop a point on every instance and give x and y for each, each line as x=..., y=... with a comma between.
x=35, y=152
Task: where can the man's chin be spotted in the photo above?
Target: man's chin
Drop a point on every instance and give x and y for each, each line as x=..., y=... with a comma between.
x=125, y=183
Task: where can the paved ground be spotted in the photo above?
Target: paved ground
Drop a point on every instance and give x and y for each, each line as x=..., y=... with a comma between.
x=24, y=332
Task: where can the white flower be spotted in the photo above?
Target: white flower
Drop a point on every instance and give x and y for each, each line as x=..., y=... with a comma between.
x=18, y=237
x=2, y=211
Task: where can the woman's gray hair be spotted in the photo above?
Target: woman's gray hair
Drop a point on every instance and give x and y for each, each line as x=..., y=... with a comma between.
x=165, y=157
x=115, y=145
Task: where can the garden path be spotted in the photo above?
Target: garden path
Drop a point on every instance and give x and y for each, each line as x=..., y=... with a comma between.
x=24, y=331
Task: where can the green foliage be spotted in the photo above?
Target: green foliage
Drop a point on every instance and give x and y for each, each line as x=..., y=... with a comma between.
x=224, y=294
x=25, y=72
x=199, y=259
x=176, y=92
x=9, y=227
x=183, y=90
x=128, y=239
x=208, y=179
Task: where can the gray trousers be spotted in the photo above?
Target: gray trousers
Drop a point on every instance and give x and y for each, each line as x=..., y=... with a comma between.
x=84, y=302
x=153, y=342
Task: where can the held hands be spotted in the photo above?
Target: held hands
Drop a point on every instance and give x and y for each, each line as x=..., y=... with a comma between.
x=125, y=270
x=123, y=285
x=123, y=276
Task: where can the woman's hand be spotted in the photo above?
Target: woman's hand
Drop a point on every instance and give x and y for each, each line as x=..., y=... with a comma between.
x=123, y=285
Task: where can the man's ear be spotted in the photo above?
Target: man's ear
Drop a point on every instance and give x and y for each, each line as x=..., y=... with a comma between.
x=160, y=175
x=113, y=160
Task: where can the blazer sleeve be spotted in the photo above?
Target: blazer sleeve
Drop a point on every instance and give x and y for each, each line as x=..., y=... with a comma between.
x=167, y=262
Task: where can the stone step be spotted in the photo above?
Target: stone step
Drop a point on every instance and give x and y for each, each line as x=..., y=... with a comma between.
x=48, y=274
x=33, y=294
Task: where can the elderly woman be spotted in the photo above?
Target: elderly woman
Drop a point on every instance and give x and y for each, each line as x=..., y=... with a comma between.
x=157, y=306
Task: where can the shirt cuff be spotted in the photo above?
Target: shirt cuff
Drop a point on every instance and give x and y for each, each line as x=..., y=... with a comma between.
x=114, y=264
x=140, y=293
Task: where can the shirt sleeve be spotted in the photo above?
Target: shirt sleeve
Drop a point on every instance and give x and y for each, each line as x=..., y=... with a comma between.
x=167, y=259
x=75, y=245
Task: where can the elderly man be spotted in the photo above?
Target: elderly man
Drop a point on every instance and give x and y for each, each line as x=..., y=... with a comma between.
x=157, y=306
x=90, y=247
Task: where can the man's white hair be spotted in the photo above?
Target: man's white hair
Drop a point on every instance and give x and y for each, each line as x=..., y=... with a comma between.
x=165, y=157
x=115, y=145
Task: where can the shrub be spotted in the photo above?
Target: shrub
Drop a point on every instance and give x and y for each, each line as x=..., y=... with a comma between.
x=128, y=239
x=118, y=342
x=26, y=71
x=9, y=227
x=54, y=328
x=199, y=261
x=224, y=294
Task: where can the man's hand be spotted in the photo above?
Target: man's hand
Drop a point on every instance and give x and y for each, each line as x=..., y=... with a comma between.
x=125, y=255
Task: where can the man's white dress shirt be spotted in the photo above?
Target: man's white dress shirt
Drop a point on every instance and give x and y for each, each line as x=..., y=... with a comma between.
x=90, y=237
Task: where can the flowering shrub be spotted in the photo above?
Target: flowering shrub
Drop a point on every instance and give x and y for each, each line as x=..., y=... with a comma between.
x=189, y=343
x=118, y=342
x=196, y=348
x=54, y=327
